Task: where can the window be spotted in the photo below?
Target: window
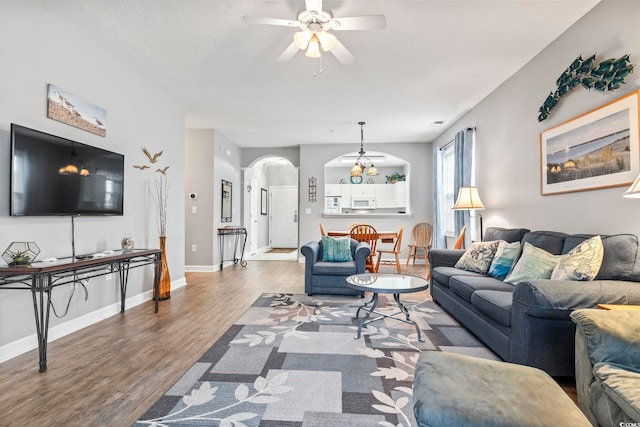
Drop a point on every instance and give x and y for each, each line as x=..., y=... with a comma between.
x=448, y=169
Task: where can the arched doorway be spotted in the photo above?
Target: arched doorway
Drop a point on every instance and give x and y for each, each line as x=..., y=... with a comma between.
x=270, y=209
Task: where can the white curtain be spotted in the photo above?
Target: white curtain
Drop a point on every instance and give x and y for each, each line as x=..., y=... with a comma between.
x=438, y=197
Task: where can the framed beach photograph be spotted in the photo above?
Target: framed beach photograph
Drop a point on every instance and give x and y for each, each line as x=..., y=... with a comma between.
x=67, y=108
x=598, y=149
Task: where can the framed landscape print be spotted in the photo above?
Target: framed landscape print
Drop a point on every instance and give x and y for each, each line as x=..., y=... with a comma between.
x=67, y=108
x=598, y=149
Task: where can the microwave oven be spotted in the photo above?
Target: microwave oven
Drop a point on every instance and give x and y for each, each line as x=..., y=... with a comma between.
x=363, y=203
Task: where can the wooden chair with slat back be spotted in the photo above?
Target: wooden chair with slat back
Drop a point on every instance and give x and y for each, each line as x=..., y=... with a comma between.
x=421, y=237
x=460, y=240
x=366, y=233
x=322, y=232
x=395, y=251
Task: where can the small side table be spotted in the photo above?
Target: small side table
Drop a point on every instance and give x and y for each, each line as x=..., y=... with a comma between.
x=619, y=307
x=395, y=284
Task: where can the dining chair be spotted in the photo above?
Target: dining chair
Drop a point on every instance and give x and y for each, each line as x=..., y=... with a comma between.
x=460, y=239
x=366, y=233
x=395, y=251
x=421, y=237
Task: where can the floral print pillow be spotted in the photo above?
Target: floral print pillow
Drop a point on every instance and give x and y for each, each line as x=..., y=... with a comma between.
x=582, y=262
x=478, y=256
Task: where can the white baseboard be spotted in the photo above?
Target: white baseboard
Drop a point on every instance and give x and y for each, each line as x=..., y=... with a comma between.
x=28, y=343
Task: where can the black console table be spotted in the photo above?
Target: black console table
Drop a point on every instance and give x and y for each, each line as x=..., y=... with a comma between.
x=41, y=277
x=238, y=233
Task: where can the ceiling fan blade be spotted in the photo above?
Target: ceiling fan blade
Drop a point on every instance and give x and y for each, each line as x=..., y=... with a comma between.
x=342, y=54
x=314, y=6
x=371, y=22
x=289, y=53
x=270, y=21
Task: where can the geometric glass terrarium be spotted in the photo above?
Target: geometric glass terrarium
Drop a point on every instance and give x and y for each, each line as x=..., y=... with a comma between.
x=20, y=253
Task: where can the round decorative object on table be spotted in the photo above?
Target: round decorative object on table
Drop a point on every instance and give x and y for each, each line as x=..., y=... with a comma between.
x=356, y=179
x=127, y=244
x=20, y=253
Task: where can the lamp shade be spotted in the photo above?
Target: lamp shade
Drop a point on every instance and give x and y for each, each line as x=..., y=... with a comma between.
x=302, y=39
x=468, y=198
x=327, y=40
x=634, y=190
x=313, y=51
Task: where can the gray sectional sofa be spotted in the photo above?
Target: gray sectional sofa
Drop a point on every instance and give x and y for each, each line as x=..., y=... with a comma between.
x=528, y=323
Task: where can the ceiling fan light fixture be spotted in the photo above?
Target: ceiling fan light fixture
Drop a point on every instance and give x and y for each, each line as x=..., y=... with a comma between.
x=302, y=39
x=313, y=51
x=327, y=40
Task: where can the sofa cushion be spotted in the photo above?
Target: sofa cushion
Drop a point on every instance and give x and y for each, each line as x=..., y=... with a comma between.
x=620, y=258
x=465, y=286
x=550, y=241
x=478, y=256
x=504, y=258
x=622, y=386
x=325, y=268
x=580, y=263
x=337, y=249
x=443, y=274
x=496, y=305
x=507, y=234
x=534, y=263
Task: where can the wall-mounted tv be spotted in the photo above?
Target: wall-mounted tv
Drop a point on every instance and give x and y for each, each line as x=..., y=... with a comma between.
x=51, y=175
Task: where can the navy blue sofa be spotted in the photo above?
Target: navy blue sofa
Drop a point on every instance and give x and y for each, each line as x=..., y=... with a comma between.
x=324, y=277
x=529, y=323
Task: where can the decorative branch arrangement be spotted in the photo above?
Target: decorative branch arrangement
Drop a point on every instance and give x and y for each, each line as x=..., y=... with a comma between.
x=608, y=75
x=161, y=193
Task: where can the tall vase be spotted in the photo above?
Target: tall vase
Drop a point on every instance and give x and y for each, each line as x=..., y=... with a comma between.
x=165, y=279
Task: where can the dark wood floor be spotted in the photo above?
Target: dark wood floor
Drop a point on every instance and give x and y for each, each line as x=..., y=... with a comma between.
x=108, y=374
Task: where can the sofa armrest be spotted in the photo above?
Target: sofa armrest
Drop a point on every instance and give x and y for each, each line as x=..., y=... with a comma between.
x=612, y=337
x=311, y=252
x=444, y=257
x=362, y=251
x=542, y=297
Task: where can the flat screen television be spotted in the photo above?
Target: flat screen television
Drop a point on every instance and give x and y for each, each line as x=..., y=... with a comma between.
x=51, y=175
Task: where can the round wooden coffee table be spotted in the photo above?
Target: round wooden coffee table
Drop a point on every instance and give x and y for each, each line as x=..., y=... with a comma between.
x=395, y=284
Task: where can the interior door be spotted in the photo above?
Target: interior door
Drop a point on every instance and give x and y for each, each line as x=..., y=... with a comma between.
x=283, y=207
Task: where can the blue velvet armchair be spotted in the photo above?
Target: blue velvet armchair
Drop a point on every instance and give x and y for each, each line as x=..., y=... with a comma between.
x=324, y=277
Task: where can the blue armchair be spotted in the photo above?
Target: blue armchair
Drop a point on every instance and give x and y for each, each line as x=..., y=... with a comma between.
x=323, y=277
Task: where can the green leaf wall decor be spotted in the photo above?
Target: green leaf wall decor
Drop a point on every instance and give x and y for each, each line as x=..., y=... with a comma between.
x=608, y=75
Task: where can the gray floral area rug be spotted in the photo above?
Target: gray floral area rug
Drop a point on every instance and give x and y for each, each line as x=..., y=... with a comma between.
x=294, y=361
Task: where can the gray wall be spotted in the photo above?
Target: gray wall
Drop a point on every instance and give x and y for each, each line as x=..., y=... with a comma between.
x=35, y=52
x=199, y=155
x=312, y=161
x=508, y=132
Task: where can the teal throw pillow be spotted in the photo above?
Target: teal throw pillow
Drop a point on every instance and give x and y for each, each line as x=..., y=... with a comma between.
x=336, y=249
x=478, y=256
x=534, y=263
x=503, y=260
x=582, y=262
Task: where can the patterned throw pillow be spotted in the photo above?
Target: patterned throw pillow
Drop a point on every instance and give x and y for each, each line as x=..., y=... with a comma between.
x=478, y=256
x=582, y=262
x=336, y=249
x=503, y=260
x=534, y=263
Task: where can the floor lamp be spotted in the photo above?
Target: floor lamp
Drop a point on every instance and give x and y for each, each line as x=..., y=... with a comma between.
x=469, y=200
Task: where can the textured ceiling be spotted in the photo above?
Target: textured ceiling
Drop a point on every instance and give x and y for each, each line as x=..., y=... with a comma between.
x=434, y=61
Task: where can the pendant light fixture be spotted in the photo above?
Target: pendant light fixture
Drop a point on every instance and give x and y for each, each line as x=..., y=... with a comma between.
x=363, y=160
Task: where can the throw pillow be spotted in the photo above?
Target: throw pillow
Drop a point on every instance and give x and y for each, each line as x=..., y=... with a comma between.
x=478, y=256
x=534, y=263
x=582, y=262
x=503, y=260
x=336, y=249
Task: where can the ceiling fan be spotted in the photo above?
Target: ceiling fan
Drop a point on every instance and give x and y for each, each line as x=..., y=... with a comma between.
x=316, y=25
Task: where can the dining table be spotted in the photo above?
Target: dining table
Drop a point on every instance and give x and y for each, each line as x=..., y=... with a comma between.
x=384, y=236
